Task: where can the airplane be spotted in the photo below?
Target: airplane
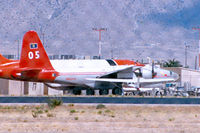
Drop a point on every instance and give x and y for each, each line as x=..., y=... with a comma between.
x=34, y=65
x=147, y=72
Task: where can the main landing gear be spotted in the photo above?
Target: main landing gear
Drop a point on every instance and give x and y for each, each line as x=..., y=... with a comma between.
x=117, y=91
x=103, y=91
x=90, y=91
x=76, y=91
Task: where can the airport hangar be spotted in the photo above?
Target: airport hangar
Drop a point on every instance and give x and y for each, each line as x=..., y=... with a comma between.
x=187, y=78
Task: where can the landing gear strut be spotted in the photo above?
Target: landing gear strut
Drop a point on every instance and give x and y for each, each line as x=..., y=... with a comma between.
x=77, y=91
x=103, y=91
x=89, y=91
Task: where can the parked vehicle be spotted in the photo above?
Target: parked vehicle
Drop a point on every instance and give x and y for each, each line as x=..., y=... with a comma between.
x=180, y=91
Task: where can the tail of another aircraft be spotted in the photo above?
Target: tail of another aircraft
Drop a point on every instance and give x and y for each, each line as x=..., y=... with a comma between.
x=4, y=60
x=33, y=54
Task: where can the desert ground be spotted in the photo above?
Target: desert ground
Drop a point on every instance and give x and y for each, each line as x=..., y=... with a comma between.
x=100, y=118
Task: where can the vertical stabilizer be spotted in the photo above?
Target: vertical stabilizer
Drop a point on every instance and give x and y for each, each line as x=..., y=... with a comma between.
x=33, y=54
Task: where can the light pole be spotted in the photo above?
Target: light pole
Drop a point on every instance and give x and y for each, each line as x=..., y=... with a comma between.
x=111, y=51
x=43, y=40
x=99, y=30
x=17, y=49
x=186, y=47
x=198, y=28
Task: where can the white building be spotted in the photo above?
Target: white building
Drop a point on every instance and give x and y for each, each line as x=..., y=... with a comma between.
x=187, y=77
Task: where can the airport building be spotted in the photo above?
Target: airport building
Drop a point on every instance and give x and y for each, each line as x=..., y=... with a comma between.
x=19, y=88
x=187, y=77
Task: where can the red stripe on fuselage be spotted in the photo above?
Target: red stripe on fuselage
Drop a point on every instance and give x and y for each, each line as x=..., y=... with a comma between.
x=81, y=73
x=128, y=62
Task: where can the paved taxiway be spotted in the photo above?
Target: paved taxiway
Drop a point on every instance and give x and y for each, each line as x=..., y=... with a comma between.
x=107, y=100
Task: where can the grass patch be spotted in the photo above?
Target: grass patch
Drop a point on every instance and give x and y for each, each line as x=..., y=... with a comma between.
x=107, y=111
x=34, y=114
x=112, y=116
x=38, y=107
x=82, y=111
x=52, y=103
x=49, y=115
x=75, y=118
x=100, y=106
x=99, y=112
x=7, y=107
x=39, y=111
x=73, y=111
x=71, y=105
x=171, y=119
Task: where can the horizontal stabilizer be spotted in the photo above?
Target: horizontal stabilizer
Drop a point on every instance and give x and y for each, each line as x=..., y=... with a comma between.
x=4, y=60
x=26, y=74
x=30, y=73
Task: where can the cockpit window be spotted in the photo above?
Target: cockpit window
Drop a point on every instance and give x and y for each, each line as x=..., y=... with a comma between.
x=111, y=62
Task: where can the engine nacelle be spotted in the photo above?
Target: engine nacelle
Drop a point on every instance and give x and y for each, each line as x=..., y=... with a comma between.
x=146, y=74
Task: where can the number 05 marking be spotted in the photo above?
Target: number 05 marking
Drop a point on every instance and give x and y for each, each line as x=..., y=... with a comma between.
x=31, y=55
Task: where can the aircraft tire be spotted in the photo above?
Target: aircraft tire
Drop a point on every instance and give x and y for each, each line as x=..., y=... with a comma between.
x=89, y=91
x=159, y=93
x=77, y=91
x=117, y=91
x=103, y=92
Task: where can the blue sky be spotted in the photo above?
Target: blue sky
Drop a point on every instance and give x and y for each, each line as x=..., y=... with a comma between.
x=185, y=17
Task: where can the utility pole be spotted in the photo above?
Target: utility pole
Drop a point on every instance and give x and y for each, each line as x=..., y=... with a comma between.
x=111, y=51
x=43, y=40
x=17, y=49
x=186, y=47
x=195, y=63
x=198, y=28
x=99, y=30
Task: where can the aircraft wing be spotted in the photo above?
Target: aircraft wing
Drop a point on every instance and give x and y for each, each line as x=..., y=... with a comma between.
x=135, y=80
x=124, y=73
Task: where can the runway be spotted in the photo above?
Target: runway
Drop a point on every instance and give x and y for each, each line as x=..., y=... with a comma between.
x=104, y=100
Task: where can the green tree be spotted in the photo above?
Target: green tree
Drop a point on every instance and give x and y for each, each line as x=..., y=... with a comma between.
x=172, y=63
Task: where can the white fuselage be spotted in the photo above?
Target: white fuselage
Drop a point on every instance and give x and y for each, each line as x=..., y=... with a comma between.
x=75, y=72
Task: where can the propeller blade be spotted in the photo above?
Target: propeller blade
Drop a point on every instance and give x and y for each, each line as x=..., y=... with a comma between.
x=153, y=71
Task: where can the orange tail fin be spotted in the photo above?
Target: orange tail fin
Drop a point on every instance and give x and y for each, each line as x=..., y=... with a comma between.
x=33, y=54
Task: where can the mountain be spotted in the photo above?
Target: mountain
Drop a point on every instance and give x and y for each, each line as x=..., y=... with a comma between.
x=136, y=29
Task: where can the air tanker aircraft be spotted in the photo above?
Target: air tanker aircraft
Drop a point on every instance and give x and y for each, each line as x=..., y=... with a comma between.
x=34, y=65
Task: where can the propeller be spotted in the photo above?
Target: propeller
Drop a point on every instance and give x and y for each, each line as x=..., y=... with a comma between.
x=152, y=70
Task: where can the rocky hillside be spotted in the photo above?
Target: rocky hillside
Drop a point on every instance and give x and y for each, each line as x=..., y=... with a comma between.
x=135, y=28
